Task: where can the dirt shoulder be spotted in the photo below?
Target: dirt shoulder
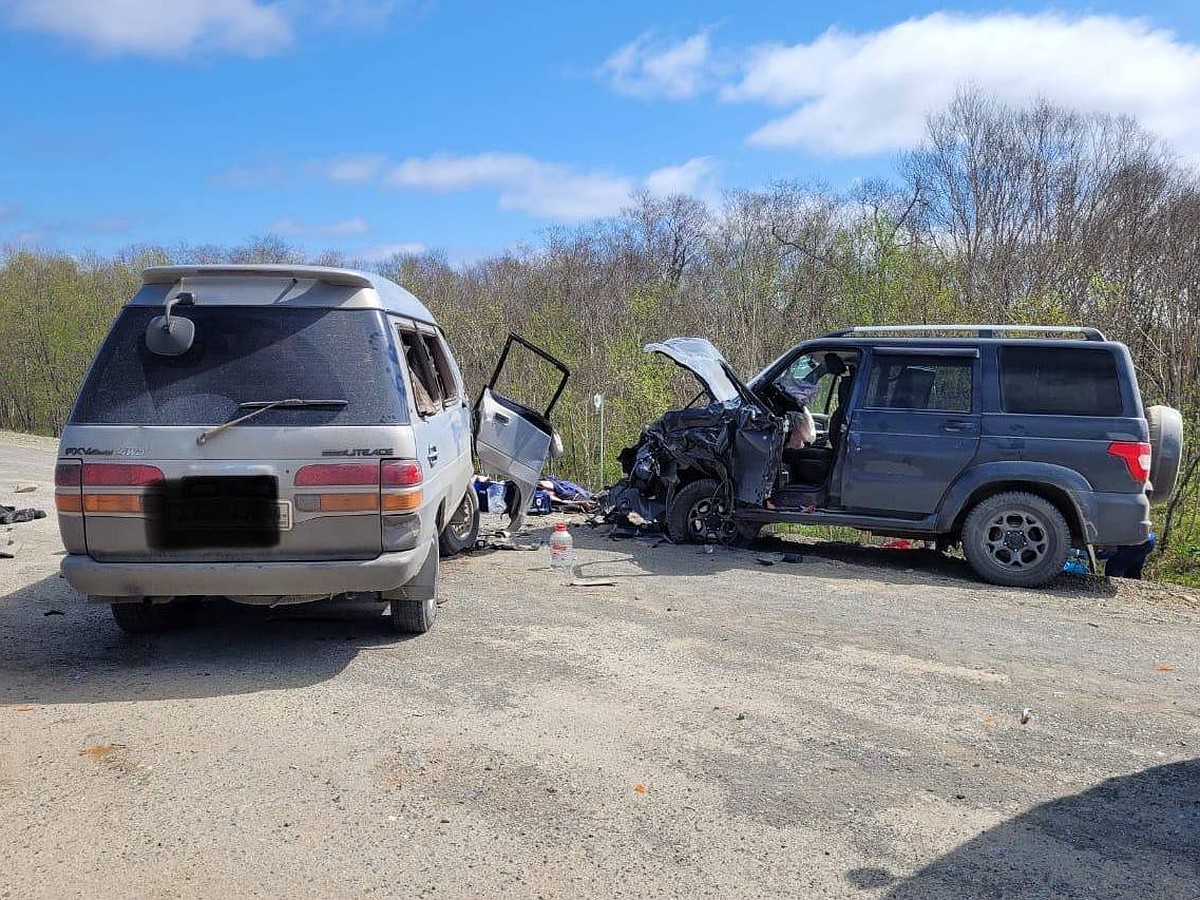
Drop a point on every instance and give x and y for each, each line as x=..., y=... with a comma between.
x=848, y=725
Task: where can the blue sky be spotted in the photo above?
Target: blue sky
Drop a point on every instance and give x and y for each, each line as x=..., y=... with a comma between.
x=374, y=125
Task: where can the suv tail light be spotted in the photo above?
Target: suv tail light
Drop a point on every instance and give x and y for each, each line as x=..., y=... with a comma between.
x=1137, y=456
x=401, y=481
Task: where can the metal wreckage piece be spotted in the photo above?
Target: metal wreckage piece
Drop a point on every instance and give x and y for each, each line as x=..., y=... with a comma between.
x=736, y=442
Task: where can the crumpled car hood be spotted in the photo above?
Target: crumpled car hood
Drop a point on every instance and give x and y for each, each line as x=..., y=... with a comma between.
x=704, y=361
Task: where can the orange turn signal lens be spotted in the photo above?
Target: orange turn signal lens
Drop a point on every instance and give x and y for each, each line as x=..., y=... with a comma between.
x=406, y=502
x=69, y=503
x=348, y=502
x=112, y=503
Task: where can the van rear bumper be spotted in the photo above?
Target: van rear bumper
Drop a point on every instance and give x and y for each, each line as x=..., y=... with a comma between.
x=1119, y=519
x=385, y=572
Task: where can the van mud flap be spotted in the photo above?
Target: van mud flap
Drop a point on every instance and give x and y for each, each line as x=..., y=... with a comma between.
x=424, y=585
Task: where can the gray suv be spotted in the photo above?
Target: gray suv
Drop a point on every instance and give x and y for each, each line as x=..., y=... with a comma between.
x=279, y=435
x=1018, y=442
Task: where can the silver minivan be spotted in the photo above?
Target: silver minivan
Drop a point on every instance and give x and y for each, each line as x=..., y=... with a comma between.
x=283, y=434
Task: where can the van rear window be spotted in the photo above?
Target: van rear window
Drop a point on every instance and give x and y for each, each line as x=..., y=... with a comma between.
x=247, y=354
x=1060, y=382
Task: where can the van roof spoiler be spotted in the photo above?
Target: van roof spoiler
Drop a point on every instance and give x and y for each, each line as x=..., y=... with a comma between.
x=172, y=274
x=980, y=331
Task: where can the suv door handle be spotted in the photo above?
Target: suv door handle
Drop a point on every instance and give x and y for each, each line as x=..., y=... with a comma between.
x=955, y=425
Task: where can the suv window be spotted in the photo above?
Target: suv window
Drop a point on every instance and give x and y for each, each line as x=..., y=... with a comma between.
x=942, y=383
x=243, y=354
x=1063, y=382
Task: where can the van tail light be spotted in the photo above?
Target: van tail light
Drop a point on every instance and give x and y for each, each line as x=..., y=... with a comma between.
x=120, y=475
x=338, y=475
x=68, y=487
x=123, y=476
x=400, y=481
x=1137, y=456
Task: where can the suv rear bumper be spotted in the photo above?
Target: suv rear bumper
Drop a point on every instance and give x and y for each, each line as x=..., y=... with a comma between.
x=386, y=572
x=1119, y=519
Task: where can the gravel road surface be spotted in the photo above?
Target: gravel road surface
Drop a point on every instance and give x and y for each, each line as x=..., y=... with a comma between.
x=845, y=726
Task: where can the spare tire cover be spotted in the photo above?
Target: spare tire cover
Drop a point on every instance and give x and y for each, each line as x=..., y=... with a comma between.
x=1166, y=442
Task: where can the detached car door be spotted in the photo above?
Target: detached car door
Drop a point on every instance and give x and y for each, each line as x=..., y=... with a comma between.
x=513, y=434
x=914, y=428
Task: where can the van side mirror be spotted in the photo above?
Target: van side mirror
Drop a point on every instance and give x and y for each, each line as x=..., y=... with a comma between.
x=171, y=336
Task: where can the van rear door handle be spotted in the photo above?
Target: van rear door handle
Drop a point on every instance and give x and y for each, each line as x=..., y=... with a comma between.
x=955, y=425
x=433, y=454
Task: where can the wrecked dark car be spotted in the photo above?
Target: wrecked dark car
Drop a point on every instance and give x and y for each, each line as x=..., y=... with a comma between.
x=1016, y=447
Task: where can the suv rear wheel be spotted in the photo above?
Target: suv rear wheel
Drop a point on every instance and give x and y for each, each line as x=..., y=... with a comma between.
x=1016, y=539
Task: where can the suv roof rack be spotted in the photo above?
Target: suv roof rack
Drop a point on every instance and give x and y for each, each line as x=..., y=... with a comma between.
x=981, y=331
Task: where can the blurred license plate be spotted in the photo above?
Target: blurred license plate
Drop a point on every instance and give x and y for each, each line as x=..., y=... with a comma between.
x=227, y=514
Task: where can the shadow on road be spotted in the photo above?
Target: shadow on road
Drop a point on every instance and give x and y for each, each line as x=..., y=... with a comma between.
x=837, y=560
x=57, y=648
x=1133, y=836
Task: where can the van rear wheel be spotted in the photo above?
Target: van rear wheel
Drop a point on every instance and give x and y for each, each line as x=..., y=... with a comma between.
x=1016, y=539
x=144, y=617
x=462, y=529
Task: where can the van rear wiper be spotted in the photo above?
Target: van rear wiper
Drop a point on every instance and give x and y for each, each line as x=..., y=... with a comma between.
x=257, y=407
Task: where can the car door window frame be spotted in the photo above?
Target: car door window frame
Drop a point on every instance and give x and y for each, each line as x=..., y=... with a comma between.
x=880, y=355
x=439, y=356
x=426, y=375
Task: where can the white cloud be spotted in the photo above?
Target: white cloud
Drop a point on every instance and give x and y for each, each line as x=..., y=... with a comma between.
x=294, y=228
x=545, y=189
x=855, y=94
x=355, y=169
x=173, y=28
x=697, y=177
x=647, y=68
x=157, y=27
x=387, y=251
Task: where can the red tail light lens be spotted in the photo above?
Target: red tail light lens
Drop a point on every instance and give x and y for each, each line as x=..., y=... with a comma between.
x=340, y=474
x=68, y=475
x=400, y=473
x=1136, y=456
x=120, y=475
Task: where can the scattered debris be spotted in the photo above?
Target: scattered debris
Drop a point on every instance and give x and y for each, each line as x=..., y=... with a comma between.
x=591, y=582
x=25, y=487
x=54, y=612
x=10, y=515
x=1026, y=715
x=639, y=788
x=1162, y=668
x=26, y=708
x=898, y=544
x=793, y=558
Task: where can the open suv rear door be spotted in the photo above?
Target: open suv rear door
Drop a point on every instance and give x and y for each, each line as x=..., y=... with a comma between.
x=513, y=434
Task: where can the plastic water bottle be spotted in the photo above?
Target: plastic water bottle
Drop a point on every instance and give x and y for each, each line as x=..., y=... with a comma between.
x=562, y=548
x=495, y=497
